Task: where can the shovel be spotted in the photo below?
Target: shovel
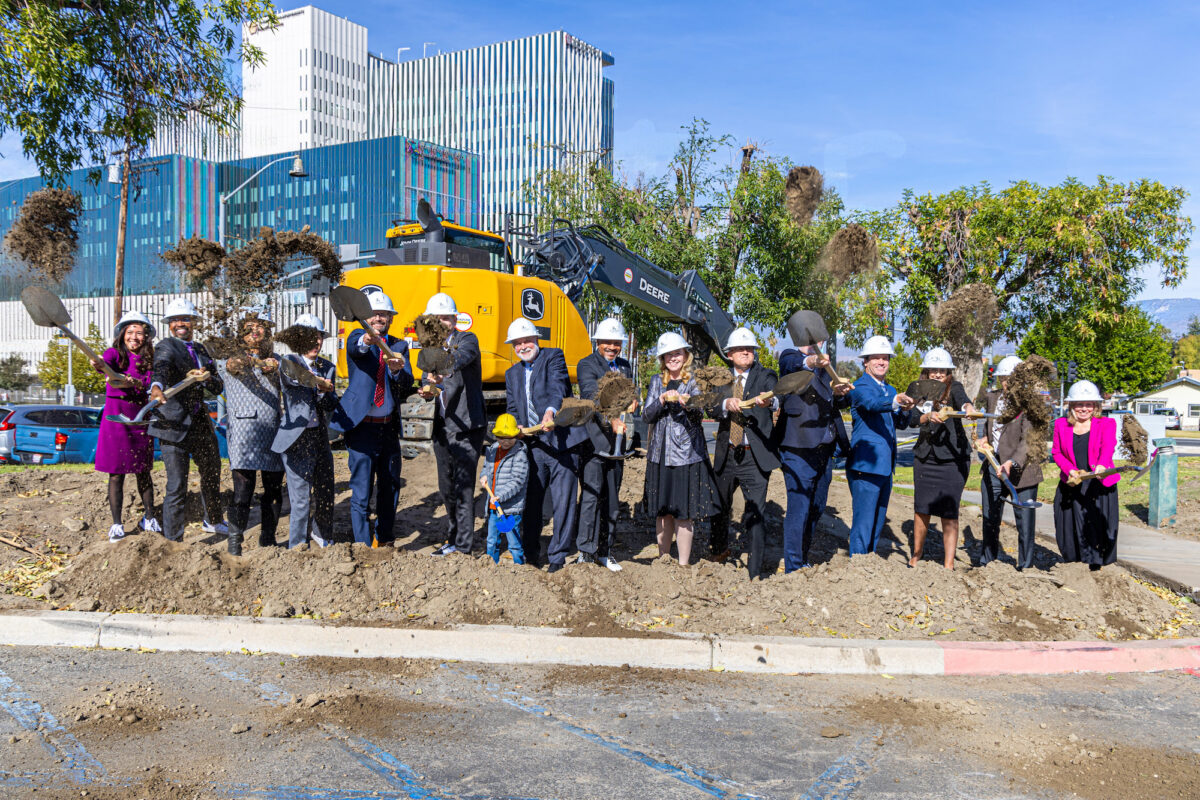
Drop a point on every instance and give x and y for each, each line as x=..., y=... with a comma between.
x=792, y=383
x=950, y=413
x=570, y=417
x=504, y=523
x=298, y=373
x=353, y=305
x=192, y=379
x=47, y=311
x=1139, y=472
x=1012, y=490
x=807, y=328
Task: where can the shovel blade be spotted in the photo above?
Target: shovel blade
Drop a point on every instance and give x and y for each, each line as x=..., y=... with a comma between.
x=794, y=383
x=505, y=523
x=807, y=328
x=44, y=307
x=349, y=304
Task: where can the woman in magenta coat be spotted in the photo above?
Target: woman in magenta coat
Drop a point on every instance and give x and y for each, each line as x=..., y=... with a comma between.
x=1086, y=516
x=127, y=449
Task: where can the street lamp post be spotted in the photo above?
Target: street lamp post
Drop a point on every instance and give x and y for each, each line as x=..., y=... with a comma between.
x=297, y=171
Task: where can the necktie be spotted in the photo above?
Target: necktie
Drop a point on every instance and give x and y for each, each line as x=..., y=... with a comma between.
x=192, y=352
x=737, y=433
x=379, y=382
x=612, y=365
x=531, y=414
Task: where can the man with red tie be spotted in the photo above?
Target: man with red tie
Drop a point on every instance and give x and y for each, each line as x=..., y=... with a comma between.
x=369, y=417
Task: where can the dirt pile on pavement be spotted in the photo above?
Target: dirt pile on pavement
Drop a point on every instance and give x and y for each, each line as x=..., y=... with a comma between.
x=852, y=251
x=1135, y=441
x=46, y=233
x=869, y=597
x=802, y=193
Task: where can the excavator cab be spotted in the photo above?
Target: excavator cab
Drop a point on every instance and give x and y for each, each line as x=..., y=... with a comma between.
x=431, y=241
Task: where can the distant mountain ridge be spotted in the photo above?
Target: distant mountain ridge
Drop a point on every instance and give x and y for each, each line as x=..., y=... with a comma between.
x=1173, y=313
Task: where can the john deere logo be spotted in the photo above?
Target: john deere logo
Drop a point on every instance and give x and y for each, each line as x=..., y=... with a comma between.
x=533, y=304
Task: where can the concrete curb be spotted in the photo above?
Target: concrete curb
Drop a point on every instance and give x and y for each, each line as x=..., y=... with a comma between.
x=496, y=644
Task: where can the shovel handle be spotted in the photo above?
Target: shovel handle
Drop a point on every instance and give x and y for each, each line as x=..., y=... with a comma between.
x=833, y=376
x=533, y=430
x=747, y=403
x=108, y=371
x=383, y=346
x=1104, y=473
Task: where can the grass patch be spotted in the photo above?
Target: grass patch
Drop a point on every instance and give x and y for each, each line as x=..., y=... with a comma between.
x=9, y=468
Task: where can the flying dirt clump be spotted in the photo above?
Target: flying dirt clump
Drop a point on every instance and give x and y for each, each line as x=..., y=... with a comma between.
x=708, y=379
x=802, y=193
x=1023, y=395
x=1135, y=441
x=852, y=251
x=967, y=315
x=430, y=331
x=46, y=234
x=198, y=259
x=615, y=394
x=300, y=339
x=233, y=349
x=257, y=267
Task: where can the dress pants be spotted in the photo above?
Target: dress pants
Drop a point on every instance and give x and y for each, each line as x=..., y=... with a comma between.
x=309, y=467
x=199, y=445
x=374, y=452
x=993, y=489
x=806, y=475
x=599, y=504
x=740, y=469
x=457, y=456
x=553, y=473
x=869, y=496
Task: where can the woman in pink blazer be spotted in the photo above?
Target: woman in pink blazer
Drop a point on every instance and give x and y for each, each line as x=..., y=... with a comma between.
x=1085, y=516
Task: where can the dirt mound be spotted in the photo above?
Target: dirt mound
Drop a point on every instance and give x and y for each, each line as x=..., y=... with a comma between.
x=852, y=251
x=1135, y=441
x=615, y=394
x=802, y=193
x=46, y=233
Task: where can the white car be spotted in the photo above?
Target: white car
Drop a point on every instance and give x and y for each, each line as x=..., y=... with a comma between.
x=8, y=435
x=1172, y=417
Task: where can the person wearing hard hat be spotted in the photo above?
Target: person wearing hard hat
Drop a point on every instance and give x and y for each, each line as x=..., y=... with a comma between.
x=809, y=432
x=1086, y=517
x=534, y=390
x=600, y=477
x=680, y=487
x=505, y=475
x=127, y=449
x=458, y=426
x=1009, y=441
x=302, y=440
x=182, y=425
x=941, y=457
x=876, y=410
x=744, y=456
x=368, y=415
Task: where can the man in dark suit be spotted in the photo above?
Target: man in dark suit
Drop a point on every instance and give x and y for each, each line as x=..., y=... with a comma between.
x=458, y=426
x=744, y=454
x=600, y=478
x=534, y=389
x=303, y=442
x=369, y=416
x=809, y=432
x=182, y=424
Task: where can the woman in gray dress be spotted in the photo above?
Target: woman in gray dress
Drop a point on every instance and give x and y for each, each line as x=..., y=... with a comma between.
x=251, y=378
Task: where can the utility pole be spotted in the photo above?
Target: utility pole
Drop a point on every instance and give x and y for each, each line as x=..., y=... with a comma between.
x=122, y=223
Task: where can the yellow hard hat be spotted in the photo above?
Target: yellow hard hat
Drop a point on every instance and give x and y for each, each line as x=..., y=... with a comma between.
x=506, y=426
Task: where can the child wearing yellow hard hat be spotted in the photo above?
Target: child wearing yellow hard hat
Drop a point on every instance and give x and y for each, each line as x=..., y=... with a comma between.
x=505, y=472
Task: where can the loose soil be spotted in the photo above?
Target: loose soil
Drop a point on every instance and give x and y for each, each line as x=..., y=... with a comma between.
x=869, y=597
x=46, y=233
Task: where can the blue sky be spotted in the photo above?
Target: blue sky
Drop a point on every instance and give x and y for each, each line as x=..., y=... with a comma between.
x=880, y=96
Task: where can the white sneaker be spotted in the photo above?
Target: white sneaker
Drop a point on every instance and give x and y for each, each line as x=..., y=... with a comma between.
x=611, y=563
x=116, y=532
x=319, y=542
x=150, y=524
x=220, y=527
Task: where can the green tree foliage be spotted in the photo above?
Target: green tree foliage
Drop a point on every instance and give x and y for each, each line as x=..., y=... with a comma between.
x=1187, y=351
x=904, y=368
x=1130, y=355
x=13, y=374
x=1193, y=328
x=52, y=371
x=851, y=370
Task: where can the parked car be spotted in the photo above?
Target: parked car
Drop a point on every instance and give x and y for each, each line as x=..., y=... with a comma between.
x=42, y=434
x=6, y=436
x=1172, y=417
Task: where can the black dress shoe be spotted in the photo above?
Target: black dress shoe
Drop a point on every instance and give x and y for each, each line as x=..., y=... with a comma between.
x=554, y=568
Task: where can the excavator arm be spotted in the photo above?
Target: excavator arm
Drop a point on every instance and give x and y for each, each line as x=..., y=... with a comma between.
x=573, y=258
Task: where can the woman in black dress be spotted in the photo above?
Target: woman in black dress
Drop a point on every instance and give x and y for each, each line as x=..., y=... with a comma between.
x=941, y=459
x=1086, y=516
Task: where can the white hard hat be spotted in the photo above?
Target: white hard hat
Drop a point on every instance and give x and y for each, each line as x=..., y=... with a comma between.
x=1083, y=391
x=521, y=328
x=877, y=346
x=938, y=358
x=262, y=313
x=381, y=302
x=130, y=317
x=741, y=337
x=180, y=307
x=310, y=321
x=1007, y=365
x=609, y=330
x=441, y=303
x=669, y=342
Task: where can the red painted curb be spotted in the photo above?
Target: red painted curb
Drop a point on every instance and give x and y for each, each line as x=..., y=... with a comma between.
x=1049, y=658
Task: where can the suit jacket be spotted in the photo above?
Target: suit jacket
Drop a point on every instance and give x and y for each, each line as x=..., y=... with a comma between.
x=359, y=399
x=550, y=384
x=588, y=373
x=1013, y=446
x=1102, y=445
x=873, y=436
x=460, y=405
x=172, y=362
x=804, y=418
x=300, y=405
x=756, y=422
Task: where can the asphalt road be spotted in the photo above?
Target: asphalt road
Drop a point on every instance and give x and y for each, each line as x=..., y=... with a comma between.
x=111, y=724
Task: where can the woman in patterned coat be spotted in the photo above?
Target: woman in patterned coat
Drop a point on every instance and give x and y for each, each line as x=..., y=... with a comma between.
x=251, y=378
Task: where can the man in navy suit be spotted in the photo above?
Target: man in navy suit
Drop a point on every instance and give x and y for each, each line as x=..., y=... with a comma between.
x=369, y=417
x=809, y=432
x=303, y=442
x=534, y=389
x=877, y=410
